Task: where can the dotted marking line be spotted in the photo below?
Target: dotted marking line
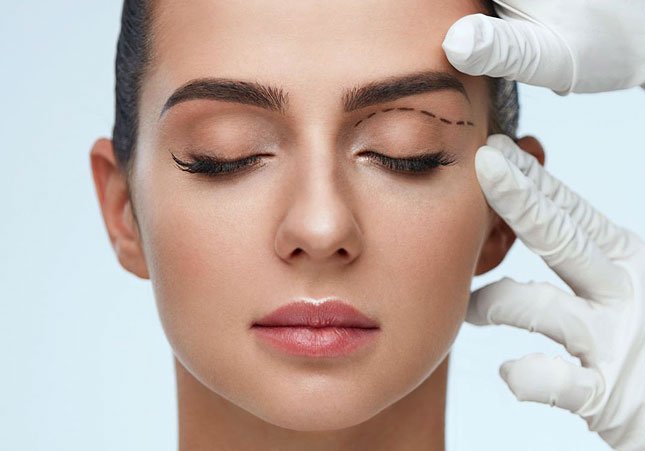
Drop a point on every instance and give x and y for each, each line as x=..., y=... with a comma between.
x=427, y=113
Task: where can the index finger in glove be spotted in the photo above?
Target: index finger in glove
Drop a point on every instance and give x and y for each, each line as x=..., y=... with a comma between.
x=513, y=49
x=610, y=238
x=548, y=230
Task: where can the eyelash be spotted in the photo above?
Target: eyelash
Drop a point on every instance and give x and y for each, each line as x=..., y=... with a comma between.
x=217, y=167
x=415, y=165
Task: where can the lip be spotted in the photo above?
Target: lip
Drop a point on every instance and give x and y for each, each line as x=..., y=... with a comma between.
x=329, y=329
x=331, y=313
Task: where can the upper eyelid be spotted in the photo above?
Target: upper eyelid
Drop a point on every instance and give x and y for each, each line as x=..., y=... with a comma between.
x=428, y=112
x=439, y=154
x=206, y=154
x=425, y=112
x=423, y=163
x=209, y=156
x=202, y=158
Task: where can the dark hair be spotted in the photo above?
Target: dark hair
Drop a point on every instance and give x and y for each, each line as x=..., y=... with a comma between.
x=134, y=53
x=504, y=107
x=504, y=111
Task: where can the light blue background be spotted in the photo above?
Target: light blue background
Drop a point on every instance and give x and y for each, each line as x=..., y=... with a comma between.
x=85, y=363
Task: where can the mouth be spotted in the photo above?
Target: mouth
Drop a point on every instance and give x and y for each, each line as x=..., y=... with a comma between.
x=334, y=313
x=330, y=329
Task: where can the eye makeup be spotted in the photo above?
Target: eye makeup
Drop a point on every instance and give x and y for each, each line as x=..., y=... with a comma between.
x=395, y=136
x=213, y=166
x=421, y=164
x=414, y=165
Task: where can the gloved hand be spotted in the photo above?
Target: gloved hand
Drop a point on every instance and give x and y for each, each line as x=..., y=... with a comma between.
x=565, y=45
x=602, y=322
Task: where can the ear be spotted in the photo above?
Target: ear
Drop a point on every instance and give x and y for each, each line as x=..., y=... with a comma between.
x=111, y=186
x=501, y=237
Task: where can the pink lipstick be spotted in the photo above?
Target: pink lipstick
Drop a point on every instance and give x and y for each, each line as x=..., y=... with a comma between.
x=329, y=329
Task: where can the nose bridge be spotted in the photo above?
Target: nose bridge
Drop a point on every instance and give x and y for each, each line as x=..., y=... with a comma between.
x=320, y=223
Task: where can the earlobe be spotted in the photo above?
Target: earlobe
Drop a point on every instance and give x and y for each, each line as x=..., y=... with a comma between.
x=530, y=144
x=111, y=187
x=501, y=236
x=499, y=241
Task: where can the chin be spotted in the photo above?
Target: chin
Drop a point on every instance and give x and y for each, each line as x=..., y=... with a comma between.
x=315, y=407
x=319, y=417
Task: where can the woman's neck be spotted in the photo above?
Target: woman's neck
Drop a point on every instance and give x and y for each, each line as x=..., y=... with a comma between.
x=208, y=422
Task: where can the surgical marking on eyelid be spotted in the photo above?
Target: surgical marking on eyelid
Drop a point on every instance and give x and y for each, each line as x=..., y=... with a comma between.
x=427, y=113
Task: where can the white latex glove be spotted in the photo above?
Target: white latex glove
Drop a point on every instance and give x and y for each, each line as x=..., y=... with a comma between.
x=565, y=45
x=602, y=322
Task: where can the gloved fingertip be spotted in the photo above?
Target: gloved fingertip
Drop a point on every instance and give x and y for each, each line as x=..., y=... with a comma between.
x=500, y=141
x=491, y=164
x=504, y=369
x=459, y=41
x=465, y=41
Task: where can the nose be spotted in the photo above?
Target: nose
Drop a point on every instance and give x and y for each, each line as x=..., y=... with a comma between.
x=319, y=225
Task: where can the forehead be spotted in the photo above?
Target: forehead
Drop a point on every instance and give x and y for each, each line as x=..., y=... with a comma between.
x=306, y=47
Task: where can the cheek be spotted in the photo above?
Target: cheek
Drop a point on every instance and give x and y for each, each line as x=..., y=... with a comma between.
x=201, y=257
x=426, y=253
x=207, y=277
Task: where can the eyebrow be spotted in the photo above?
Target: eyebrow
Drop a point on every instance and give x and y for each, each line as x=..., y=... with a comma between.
x=396, y=87
x=276, y=99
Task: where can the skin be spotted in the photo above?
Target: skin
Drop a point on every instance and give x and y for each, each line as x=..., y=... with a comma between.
x=317, y=220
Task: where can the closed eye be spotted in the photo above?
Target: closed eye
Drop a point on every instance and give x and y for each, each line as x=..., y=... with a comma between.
x=219, y=167
x=213, y=166
x=417, y=164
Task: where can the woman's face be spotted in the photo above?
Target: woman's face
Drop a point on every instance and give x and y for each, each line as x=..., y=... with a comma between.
x=320, y=217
